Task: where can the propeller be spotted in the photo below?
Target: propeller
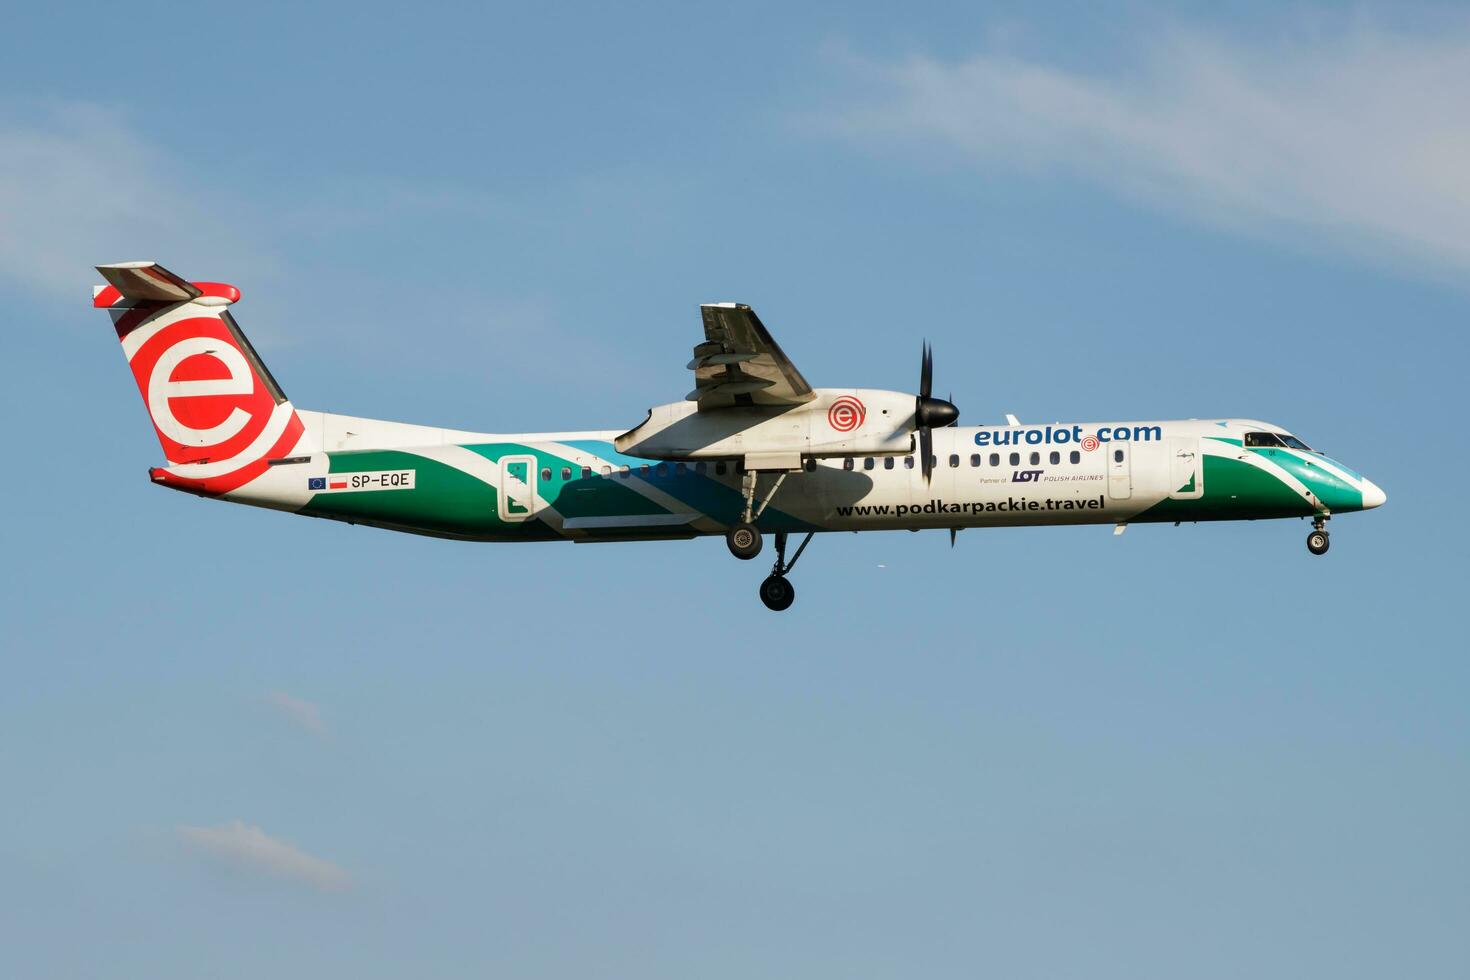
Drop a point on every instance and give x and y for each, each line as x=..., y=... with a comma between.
x=930, y=412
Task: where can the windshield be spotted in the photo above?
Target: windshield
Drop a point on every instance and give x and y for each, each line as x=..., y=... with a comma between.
x=1275, y=440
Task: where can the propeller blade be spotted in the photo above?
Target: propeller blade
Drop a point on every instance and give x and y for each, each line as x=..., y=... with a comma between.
x=926, y=450
x=954, y=532
x=926, y=372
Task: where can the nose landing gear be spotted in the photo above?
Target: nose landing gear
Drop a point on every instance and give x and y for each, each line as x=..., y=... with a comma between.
x=776, y=592
x=1318, y=541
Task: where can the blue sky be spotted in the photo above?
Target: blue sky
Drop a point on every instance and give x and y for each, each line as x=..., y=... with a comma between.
x=238, y=743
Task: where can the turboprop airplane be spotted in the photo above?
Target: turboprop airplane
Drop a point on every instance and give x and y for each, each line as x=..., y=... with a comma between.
x=752, y=450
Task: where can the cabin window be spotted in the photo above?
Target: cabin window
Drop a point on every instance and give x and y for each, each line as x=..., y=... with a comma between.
x=995, y=459
x=720, y=468
x=1117, y=455
x=1074, y=457
x=546, y=474
x=586, y=472
x=1263, y=440
x=1036, y=459
x=700, y=467
x=1015, y=459
x=847, y=463
x=662, y=469
x=908, y=462
x=888, y=462
x=868, y=463
x=974, y=459
x=607, y=471
x=643, y=470
x=623, y=471
x=954, y=461
x=1056, y=457
x=566, y=472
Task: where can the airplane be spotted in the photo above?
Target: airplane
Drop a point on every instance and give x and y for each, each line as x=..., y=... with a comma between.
x=752, y=450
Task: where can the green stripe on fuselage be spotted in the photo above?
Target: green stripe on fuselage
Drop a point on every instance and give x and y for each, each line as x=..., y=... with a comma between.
x=1234, y=490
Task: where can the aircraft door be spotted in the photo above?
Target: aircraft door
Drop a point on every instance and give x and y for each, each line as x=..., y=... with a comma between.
x=1186, y=469
x=1120, y=476
x=517, y=497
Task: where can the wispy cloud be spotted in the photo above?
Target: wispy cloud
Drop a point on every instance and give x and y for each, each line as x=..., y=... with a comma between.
x=79, y=187
x=1361, y=139
x=252, y=849
x=304, y=713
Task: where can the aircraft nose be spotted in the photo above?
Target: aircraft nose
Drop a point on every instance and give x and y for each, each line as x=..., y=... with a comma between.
x=1372, y=495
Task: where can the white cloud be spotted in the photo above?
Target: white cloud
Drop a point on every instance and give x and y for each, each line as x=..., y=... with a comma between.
x=78, y=187
x=1361, y=139
x=304, y=713
x=252, y=849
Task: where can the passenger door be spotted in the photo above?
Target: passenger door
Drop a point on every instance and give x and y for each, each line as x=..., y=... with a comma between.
x=1186, y=469
x=1120, y=476
x=517, y=498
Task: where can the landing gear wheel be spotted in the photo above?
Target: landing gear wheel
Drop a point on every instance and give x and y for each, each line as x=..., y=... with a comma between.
x=1317, y=542
x=777, y=593
x=744, y=541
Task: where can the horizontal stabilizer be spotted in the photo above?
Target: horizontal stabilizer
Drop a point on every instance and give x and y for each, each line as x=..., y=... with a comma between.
x=140, y=282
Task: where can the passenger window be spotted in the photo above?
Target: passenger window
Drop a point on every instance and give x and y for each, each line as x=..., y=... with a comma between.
x=1117, y=455
x=954, y=461
x=720, y=468
x=1015, y=459
x=888, y=462
x=700, y=468
x=868, y=463
x=623, y=471
x=607, y=471
x=1075, y=457
x=662, y=469
x=847, y=463
x=908, y=462
x=680, y=469
x=1036, y=459
x=974, y=459
x=546, y=474
x=643, y=470
x=586, y=472
x=995, y=459
x=1056, y=457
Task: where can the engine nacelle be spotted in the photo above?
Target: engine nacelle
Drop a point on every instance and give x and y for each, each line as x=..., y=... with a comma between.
x=837, y=422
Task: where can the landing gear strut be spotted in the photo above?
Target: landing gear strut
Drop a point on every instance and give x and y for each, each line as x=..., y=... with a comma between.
x=1318, y=541
x=776, y=592
x=743, y=537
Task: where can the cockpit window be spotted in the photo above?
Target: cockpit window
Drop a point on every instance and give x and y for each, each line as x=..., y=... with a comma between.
x=1293, y=442
x=1263, y=440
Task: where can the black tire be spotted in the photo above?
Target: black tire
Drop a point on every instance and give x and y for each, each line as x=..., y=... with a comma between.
x=777, y=593
x=744, y=541
x=1318, y=542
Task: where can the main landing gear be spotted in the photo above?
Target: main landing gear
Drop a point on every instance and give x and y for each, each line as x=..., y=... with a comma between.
x=1318, y=540
x=743, y=539
x=776, y=592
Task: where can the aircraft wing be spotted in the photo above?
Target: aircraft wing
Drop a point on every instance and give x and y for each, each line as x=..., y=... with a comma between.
x=740, y=364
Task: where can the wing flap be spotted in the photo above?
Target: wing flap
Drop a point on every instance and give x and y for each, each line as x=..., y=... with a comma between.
x=739, y=362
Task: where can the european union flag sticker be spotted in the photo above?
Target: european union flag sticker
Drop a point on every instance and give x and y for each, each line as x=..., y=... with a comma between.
x=316, y=483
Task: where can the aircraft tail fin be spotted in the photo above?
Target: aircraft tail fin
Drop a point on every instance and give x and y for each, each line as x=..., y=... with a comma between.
x=217, y=412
